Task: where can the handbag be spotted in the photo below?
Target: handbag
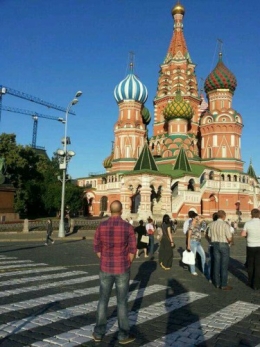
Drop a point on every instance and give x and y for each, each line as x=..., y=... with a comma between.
x=145, y=239
x=188, y=258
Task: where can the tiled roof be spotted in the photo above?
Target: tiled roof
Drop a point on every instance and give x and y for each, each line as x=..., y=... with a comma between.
x=182, y=162
x=145, y=160
x=251, y=171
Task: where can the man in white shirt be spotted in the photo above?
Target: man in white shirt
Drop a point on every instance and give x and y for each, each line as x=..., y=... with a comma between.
x=251, y=231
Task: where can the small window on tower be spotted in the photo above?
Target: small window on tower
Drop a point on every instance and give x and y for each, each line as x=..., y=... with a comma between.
x=223, y=119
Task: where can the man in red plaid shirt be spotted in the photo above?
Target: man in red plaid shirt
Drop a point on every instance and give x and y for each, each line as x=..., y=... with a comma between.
x=115, y=245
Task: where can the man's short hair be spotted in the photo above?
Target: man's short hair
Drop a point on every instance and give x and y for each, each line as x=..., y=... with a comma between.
x=116, y=207
x=255, y=213
x=215, y=216
x=221, y=214
x=192, y=214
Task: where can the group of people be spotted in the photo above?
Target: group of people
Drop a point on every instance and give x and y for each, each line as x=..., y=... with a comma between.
x=220, y=236
x=115, y=244
x=146, y=234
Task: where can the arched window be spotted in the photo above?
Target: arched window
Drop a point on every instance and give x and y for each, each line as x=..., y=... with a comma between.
x=103, y=204
x=211, y=175
x=191, y=185
x=202, y=178
x=174, y=189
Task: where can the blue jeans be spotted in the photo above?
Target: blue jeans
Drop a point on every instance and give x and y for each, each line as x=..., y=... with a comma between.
x=151, y=244
x=107, y=281
x=210, y=263
x=195, y=247
x=221, y=259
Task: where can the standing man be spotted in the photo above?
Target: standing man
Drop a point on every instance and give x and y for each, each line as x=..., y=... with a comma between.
x=115, y=245
x=220, y=237
x=251, y=231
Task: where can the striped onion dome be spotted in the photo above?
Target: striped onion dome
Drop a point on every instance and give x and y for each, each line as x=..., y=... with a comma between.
x=146, y=115
x=178, y=108
x=107, y=163
x=131, y=89
x=220, y=78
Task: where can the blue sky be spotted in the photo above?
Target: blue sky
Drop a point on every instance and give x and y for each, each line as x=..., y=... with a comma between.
x=51, y=49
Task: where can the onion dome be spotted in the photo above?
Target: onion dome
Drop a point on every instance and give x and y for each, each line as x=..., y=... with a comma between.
x=220, y=78
x=178, y=9
x=131, y=89
x=178, y=108
x=107, y=163
x=146, y=115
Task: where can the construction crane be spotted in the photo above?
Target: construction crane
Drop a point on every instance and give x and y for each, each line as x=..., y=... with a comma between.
x=6, y=90
x=35, y=116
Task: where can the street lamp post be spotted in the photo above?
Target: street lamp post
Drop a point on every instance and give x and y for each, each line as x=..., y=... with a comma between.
x=65, y=157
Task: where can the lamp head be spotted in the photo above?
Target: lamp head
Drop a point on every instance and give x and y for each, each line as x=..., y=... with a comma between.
x=61, y=152
x=74, y=101
x=78, y=94
x=71, y=153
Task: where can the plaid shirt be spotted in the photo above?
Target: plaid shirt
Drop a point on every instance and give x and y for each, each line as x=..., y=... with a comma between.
x=115, y=239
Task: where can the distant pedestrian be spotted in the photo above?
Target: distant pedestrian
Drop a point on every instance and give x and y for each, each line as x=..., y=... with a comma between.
x=210, y=250
x=251, y=231
x=115, y=245
x=174, y=224
x=141, y=231
x=166, y=244
x=220, y=237
x=150, y=229
x=49, y=232
x=235, y=227
x=186, y=224
x=67, y=223
x=194, y=244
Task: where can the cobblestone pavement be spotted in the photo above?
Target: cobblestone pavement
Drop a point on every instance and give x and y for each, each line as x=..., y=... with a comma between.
x=48, y=297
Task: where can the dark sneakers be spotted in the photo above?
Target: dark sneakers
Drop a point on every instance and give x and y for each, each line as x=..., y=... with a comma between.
x=127, y=340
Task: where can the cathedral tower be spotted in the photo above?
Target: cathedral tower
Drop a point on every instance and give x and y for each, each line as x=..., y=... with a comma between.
x=221, y=126
x=176, y=104
x=130, y=128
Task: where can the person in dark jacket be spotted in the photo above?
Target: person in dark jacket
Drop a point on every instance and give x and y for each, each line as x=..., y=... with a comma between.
x=49, y=232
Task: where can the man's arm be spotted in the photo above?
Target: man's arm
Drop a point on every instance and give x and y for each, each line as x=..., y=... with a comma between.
x=243, y=233
x=132, y=244
x=131, y=257
x=228, y=233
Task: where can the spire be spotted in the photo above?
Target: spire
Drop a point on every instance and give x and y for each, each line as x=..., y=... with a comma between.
x=145, y=160
x=182, y=162
x=178, y=48
x=251, y=171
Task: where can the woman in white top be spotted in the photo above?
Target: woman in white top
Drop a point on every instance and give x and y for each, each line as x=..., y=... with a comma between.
x=251, y=231
x=150, y=232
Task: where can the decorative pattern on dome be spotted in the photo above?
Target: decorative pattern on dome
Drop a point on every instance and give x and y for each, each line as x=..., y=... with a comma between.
x=220, y=78
x=178, y=108
x=131, y=89
x=107, y=163
x=146, y=115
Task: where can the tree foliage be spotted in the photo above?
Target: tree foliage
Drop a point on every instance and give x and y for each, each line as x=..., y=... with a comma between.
x=35, y=178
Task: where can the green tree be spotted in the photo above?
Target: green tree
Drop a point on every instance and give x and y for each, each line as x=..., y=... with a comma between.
x=35, y=178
